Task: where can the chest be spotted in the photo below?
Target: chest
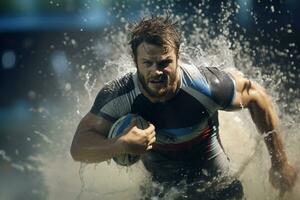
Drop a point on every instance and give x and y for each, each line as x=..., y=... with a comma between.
x=181, y=111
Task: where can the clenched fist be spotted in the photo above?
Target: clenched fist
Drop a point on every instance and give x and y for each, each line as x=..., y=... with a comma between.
x=137, y=141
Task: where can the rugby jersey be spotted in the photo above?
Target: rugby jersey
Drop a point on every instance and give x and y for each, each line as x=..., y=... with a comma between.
x=187, y=124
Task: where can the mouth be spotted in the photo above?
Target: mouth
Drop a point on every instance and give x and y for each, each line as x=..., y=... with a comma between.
x=159, y=80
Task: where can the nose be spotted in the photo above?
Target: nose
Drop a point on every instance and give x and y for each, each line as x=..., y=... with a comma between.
x=158, y=71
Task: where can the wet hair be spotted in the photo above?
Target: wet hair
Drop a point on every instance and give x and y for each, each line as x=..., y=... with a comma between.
x=160, y=31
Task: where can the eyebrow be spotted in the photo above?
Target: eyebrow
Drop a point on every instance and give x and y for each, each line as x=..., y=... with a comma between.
x=169, y=58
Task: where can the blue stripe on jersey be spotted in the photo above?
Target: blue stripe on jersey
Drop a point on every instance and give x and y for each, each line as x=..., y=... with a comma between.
x=182, y=131
x=124, y=124
x=195, y=80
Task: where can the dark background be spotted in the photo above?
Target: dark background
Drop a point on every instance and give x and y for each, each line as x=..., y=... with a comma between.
x=45, y=45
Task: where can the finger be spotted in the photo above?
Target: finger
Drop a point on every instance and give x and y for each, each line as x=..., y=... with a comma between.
x=293, y=179
x=290, y=182
x=150, y=129
x=149, y=147
x=281, y=193
x=151, y=135
x=296, y=175
x=284, y=187
x=274, y=180
x=152, y=141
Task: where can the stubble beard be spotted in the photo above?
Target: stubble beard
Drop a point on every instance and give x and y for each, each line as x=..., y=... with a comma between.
x=161, y=92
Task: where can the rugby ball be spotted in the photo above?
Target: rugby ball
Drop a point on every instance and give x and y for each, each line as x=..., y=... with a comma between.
x=118, y=128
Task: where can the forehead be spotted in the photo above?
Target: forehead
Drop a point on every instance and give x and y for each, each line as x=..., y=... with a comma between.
x=151, y=51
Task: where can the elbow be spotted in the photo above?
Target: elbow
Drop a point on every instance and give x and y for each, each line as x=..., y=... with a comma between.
x=75, y=152
x=261, y=100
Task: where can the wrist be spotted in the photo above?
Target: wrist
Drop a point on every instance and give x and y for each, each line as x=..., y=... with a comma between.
x=121, y=145
x=279, y=164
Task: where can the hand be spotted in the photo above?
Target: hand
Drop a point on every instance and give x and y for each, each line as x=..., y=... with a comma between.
x=138, y=141
x=283, y=178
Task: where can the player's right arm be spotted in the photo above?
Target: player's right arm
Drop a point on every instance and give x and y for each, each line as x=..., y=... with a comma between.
x=90, y=143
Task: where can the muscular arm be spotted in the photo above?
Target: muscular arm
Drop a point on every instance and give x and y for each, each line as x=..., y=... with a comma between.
x=254, y=97
x=90, y=143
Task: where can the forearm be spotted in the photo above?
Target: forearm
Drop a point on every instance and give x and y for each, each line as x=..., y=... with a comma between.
x=275, y=147
x=91, y=147
x=267, y=122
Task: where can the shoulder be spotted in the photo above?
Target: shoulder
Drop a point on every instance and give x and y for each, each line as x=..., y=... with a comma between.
x=120, y=85
x=248, y=91
x=216, y=77
x=193, y=78
x=215, y=83
x=222, y=85
x=116, y=88
x=115, y=98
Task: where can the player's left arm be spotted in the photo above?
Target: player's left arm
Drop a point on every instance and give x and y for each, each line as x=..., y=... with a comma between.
x=251, y=95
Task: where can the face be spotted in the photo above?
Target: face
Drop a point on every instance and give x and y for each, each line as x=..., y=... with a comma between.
x=157, y=70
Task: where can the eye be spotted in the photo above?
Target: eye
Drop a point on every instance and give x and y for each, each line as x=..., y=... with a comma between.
x=164, y=63
x=148, y=63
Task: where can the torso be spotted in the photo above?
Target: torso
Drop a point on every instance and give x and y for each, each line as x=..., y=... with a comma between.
x=186, y=125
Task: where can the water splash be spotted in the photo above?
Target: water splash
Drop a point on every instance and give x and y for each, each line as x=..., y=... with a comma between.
x=19, y=166
x=205, y=42
x=44, y=137
x=81, y=173
x=89, y=85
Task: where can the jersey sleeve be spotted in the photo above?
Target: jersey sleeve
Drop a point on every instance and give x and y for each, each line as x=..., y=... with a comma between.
x=112, y=101
x=102, y=107
x=221, y=84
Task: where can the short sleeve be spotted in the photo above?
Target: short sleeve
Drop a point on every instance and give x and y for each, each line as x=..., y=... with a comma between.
x=114, y=99
x=221, y=84
x=102, y=107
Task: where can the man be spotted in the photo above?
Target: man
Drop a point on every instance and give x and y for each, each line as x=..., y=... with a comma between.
x=181, y=147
